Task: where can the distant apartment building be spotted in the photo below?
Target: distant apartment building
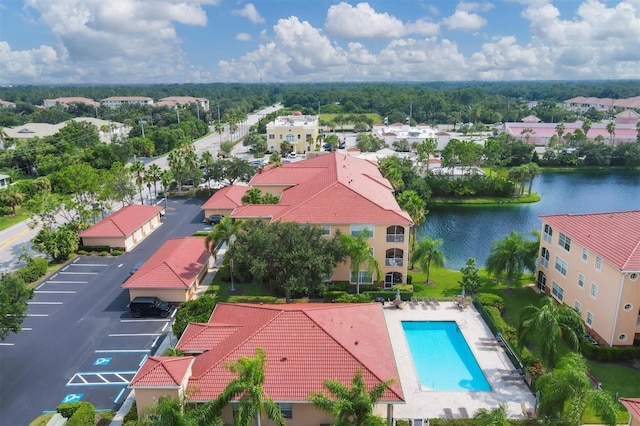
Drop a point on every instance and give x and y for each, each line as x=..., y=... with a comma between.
x=591, y=262
x=7, y=104
x=173, y=101
x=66, y=102
x=394, y=132
x=582, y=103
x=540, y=134
x=299, y=130
x=116, y=101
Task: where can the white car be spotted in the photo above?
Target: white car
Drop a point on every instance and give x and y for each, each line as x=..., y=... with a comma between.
x=293, y=155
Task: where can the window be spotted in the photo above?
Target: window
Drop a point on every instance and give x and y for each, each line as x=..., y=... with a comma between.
x=357, y=229
x=557, y=291
x=581, y=281
x=585, y=254
x=628, y=306
x=272, y=136
x=286, y=408
x=544, y=258
x=326, y=229
x=576, y=306
x=622, y=337
x=362, y=277
x=561, y=266
x=594, y=290
x=548, y=233
x=598, y=263
x=564, y=242
x=290, y=138
x=633, y=276
x=589, y=319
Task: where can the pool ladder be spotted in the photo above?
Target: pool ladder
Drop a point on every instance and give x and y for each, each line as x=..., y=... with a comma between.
x=462, y=323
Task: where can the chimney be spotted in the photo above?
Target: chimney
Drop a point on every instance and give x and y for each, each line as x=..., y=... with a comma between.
x=259, y=170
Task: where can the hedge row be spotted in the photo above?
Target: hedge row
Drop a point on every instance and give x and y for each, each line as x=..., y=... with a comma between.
x=78, y=413
x=35, y=269
x=609, y=353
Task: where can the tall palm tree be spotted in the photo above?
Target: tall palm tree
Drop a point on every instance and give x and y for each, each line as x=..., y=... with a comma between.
x=533, y=170
x=427, y=253
x=137, y=169
x=177, y=167
x=219, y=128
x=611, y=129
x=353, y=405
x=359, y=252
x=166, y=177
x=567, y=390
x=560, y=128
x=411, y=202
x=249, y=386
x=153, y=172
x=586, y=126
x=507, y=258
x=223, y=232
x=166, y=412
x=549, y=324
x=498, y=416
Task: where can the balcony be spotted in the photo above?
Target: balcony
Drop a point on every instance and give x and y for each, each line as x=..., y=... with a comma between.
x=395, y=238
x=393, y=261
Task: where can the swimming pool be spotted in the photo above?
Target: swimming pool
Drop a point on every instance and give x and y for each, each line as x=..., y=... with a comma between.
x=442, y=357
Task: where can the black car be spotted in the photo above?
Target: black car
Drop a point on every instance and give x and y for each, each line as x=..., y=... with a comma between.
x=140, y=306
x=214, y=219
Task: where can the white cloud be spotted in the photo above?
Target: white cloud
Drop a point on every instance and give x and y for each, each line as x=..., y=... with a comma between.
x=243, y=36
x=462, y=20
x=250, y=12
x=361, y=22
x=423, y=27
x=473, y=6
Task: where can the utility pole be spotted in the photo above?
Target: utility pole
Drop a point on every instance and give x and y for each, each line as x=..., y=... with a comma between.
x=218, y=111
x=178, y=113
x=142, y=123
x=198, y=109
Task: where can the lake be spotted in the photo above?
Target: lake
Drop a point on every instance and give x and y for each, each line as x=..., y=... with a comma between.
x=468, y=231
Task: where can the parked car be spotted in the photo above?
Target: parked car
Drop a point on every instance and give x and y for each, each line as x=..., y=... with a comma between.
x=140, y=306
x=136, y=267
x=293, y=154
x=214, y=219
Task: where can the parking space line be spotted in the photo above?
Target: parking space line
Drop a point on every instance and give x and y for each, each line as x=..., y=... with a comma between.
x=65, y=268
x=54, y=292
x=90, y=378
x=103, y=379
x=66, y=282
x=6, y=344
x=89, y=264
x=144, y=359
x=165, y=327
x=115, y=401
x=78, y=273
x=153, y=345
x=145, y=320
x=36, y=315
x=121, y=351
x=134, y=334
x=43, y=303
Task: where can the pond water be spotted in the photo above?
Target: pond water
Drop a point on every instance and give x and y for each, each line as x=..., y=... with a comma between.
x=468, y=231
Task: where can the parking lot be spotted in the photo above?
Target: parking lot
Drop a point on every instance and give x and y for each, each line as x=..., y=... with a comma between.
x=79, y=342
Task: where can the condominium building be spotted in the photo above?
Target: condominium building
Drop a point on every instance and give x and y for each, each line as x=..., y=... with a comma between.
x=116, y=101
x=174, y=101
x=592, y=263
x=301, y=131
x=65, y=102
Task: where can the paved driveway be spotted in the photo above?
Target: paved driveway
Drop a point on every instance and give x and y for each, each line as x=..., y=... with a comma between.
x=79, y=342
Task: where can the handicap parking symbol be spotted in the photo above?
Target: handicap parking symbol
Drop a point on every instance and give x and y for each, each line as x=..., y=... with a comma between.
x=72, y=397
x=102, y=361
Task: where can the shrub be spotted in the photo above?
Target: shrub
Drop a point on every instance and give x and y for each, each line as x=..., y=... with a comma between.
x=489, y=299
x=35, y=269
x=78, y=413
x=389, y=295
x=103, y=253
x=339, y=286
x=409, y=279
x=408, y=288
x=496, y=317
x=354, y=298
x=609, y=354
x=330, y=296
x=83, y=252
x=132, y=414
x=117, y=252
x=5, y=211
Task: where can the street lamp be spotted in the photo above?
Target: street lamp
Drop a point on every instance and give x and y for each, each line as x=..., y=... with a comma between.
x=142, y=123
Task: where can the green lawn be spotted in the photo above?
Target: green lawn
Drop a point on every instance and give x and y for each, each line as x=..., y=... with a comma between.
x=7, y=221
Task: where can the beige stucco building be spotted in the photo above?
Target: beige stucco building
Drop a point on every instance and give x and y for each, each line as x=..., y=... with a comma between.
x=124, y=228
x=301, y=131
x=592, y=263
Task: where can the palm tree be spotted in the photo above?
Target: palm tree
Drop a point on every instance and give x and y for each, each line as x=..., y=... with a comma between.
x=166, y=412
x=567, y=391
x=533, y=170
x=351, y=406
x=249, y=385
x=12, y=197
x=221, y=233
x=586, y=126
x=611, y=129
x=549, y=324
x=507, y=257
x=153, y=172
x=359, y=252
x=427, y=253
x=411, y=202
x=560, y=128
x=137, y=168
x=177, y=167
x=166, y=177
x=497, y=417
x=519, y=175
x=219, y=128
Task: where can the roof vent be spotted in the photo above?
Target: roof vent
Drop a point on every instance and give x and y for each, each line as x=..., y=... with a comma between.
x=356, y=342
x=283, y=359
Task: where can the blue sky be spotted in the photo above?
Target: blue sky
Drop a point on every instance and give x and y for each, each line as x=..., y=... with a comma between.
x=201, y=41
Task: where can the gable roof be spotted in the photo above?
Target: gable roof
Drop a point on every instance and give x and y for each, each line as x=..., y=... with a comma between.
x=228, y=197
x=162, y=371
x=332, y=188
x=123, y=222
x=176, y=264
x=305, y=345
x=614, y=236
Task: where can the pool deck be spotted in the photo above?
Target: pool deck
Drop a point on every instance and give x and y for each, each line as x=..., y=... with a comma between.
x=507, y=385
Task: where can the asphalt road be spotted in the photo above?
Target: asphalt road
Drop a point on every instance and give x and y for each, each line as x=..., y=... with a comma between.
x=14, y=239
x=79, y=341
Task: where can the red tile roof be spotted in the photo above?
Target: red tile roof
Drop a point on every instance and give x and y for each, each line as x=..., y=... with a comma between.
x=228, y=197
x=614, y=236
x=123, y=222
x=162, y=371
x=305, y=345
x=328, y=189
x=175, y=264
x=633, y=405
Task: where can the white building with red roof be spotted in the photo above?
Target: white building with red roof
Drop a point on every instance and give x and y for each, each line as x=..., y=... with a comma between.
x=336, y=192
x=305, y=345
x=174, y=101
x=174, y=272
x=116, y=101
x=592, y=263
x=124, y=228
x=541, y=133
x=68, y=101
